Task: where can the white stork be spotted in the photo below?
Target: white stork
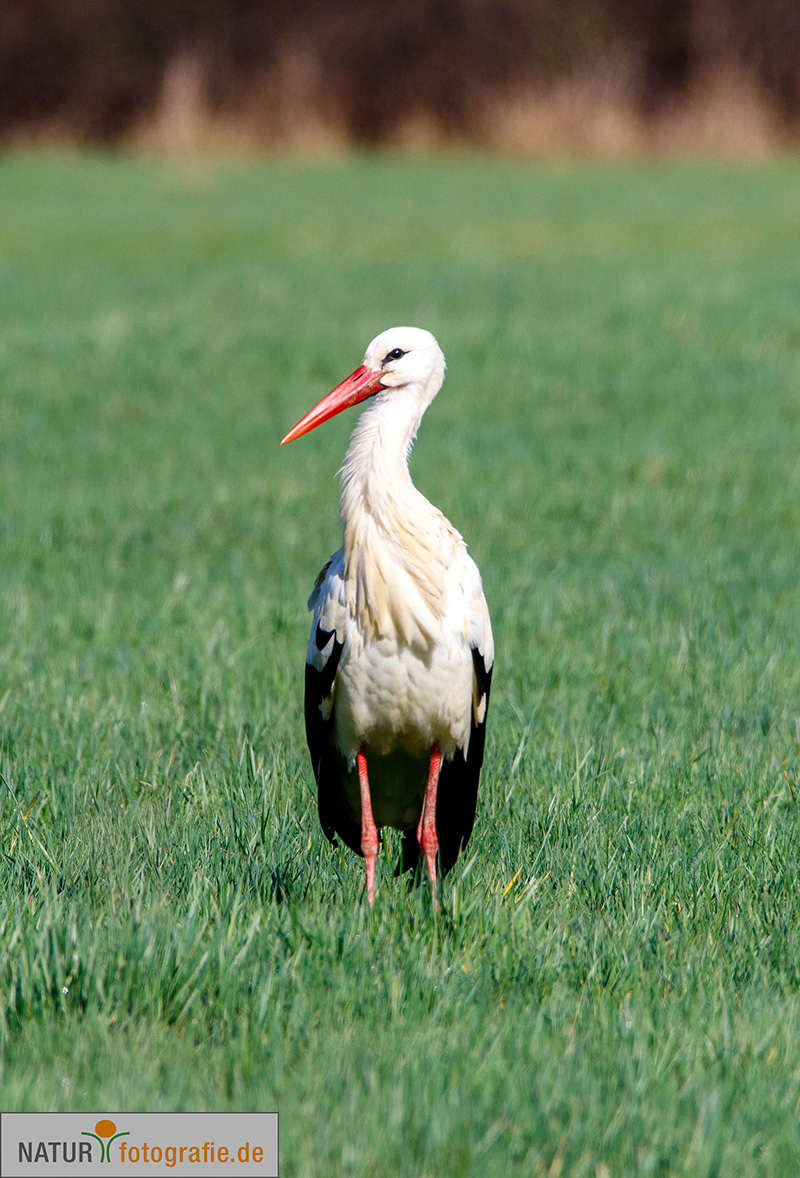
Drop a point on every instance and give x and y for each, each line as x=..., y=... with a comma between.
x=400, y=655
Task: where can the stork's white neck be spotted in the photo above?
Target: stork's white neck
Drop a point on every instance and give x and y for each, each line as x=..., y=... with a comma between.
x=375, y=475
x=394, y=539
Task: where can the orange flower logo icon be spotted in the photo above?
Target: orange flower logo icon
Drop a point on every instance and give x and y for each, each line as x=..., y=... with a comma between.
x=105, y=1131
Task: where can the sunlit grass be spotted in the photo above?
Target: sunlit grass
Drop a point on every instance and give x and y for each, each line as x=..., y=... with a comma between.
x=611, y=985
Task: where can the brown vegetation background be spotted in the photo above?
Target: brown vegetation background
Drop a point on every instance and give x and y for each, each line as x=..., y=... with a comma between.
x=525, y=75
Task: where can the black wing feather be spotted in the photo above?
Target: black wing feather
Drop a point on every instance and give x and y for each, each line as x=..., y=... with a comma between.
x=329, y=767
x=457, y=795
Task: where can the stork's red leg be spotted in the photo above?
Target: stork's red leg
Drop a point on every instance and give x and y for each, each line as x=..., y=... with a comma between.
x=369, y=831
x=426, y=830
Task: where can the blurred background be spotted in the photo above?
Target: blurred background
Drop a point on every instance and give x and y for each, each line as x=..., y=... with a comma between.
x=526, y=76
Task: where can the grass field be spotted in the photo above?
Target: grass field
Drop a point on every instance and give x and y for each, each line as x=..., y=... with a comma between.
x=612, y=986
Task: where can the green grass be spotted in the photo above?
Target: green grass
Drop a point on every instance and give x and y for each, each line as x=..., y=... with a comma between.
x=612, y=986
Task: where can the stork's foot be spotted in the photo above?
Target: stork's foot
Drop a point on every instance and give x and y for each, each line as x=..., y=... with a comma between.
x=369, y=831
x=426, y=830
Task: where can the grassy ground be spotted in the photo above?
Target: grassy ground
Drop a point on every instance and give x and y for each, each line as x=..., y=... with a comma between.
x=612, y=986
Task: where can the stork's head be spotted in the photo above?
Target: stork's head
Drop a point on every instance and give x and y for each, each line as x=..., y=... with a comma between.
x=406, y=358
x=405, y=355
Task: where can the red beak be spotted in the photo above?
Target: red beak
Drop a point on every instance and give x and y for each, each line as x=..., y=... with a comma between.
x=358, y=386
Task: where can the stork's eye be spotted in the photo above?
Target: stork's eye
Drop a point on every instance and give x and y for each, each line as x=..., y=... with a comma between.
x=395, y=354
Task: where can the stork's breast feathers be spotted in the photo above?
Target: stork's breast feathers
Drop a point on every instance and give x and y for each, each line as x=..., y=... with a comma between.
x=397, y=576
x=385, y=691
